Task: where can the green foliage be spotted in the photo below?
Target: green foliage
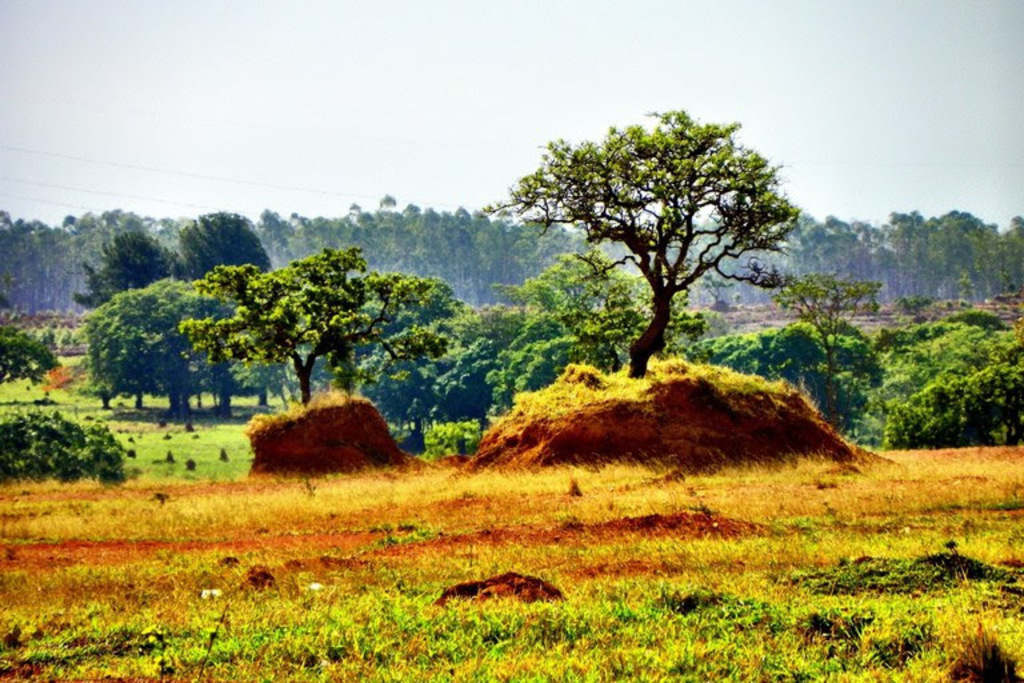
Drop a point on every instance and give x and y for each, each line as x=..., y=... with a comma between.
x=684, y=199
x=983, y=319
x=472, y=253
x=220, y=239
x=41, y=445
x=132, y=260
x=985, y=407
x=324, y=305
x=825, y=303
x=601, y=309
x=795, y=355
x=22, y=357
x=447, y=438
x=916, y=258
x=914, y=304
x=135, y=346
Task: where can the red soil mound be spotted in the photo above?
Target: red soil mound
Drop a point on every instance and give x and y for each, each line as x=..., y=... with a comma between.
x=510, y=585
x=695, y=525
x=686, y=417
x=348, y=437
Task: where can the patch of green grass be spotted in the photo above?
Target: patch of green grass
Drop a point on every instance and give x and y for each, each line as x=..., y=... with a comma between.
x=897, y=575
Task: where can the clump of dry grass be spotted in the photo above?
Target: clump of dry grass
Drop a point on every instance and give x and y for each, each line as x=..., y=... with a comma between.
x=262, y=423
x=583, y=385
x=981, y=659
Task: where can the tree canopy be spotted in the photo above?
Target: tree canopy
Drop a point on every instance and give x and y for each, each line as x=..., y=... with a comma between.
x=326, y=305
x=131, y=260
x=135, y=347
x=220, y=239
x=22, y=357
x=825, y=303
x=685, y=199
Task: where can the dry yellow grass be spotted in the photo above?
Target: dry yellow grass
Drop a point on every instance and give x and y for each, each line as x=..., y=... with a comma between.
x=131, y=562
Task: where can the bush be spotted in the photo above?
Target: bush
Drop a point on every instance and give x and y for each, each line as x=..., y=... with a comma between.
x=41, y=445
x=983, y=319
x=448, y=438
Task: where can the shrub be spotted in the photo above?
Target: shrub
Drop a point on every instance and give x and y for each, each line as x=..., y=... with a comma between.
x=977, y=318
x=447, y=438
x=41, y=445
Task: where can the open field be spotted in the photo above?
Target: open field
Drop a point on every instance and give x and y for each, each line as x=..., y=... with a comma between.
x=800, y=573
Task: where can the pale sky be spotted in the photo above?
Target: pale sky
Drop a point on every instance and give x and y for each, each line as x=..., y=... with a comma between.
x=178, y=108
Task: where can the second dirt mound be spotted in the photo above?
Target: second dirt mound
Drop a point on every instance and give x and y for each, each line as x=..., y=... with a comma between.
x=691, y=417
x=334, y=434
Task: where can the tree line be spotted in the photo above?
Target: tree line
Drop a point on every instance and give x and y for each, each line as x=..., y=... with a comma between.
x=954, y=256
x=43, y=267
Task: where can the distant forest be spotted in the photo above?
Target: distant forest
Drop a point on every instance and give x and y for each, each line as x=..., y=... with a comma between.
x=955, y=256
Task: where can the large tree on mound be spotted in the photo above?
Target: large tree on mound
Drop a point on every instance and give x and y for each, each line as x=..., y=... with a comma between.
x=324, y=305
x=685, y=199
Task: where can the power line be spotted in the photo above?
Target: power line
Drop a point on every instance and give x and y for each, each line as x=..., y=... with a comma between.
x=110, y=194
x=49, y=202
x=184, y=174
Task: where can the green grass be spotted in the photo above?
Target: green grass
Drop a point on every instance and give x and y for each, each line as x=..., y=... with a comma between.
x=141, y=431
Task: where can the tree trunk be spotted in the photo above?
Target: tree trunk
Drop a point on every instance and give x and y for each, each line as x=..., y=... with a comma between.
x=174, y=410
x=224, y=404
x=831, y=395
x=653, y=339
x=304, y=371
x=138, y=401
x=263, y=400
x=415, y=442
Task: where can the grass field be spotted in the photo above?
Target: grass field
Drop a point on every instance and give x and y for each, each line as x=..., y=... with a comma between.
x=102, y=582
x=907, y=570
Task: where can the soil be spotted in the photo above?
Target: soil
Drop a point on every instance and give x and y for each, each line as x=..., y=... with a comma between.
x=353, y=549
x=684, y=422
x=325, y=440
x=508, y=585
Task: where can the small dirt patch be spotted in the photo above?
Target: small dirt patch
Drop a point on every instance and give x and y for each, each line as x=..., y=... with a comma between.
x=259, y=578
x=692, y=525
x=508, y=585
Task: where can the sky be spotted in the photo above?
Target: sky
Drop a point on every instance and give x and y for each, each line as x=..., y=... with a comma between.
x=176, y=109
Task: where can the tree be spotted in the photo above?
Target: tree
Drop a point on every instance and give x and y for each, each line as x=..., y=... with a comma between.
x=985, y=407
x=794, y=354
x=22, y=357
x=324, y=305
x=131, y=260
x=825, y=302
x=601, y=309
x=5, y=286
x=218, y=239
x=135, y=347
x=685, y=199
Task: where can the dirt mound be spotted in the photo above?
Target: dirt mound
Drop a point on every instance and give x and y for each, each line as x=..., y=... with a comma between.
x=343, y=435
x=689, y=417
x=697, y=525
x=509, y=585
x=259, y=578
